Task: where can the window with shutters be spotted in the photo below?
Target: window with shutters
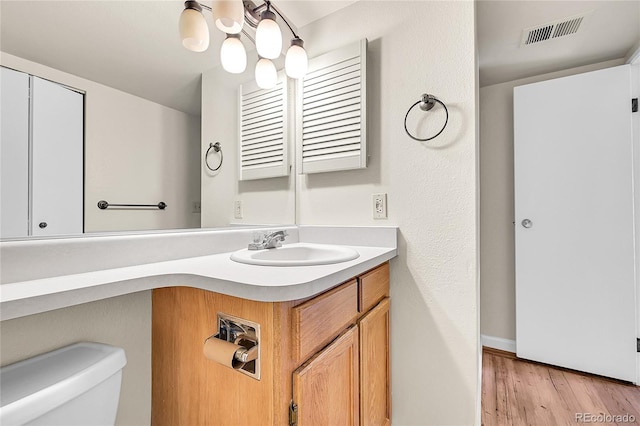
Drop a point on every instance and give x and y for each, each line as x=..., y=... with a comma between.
x=331, y=112
x=263, y=130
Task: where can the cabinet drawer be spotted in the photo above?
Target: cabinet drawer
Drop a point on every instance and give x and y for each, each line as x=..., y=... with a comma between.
x=320, y=319
x=374, y=286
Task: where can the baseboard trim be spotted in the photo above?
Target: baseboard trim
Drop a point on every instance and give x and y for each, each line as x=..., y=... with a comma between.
x=498, y=343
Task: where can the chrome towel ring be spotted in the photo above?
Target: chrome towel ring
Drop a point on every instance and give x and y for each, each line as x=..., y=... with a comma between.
x=216, y=148
x=427, y=102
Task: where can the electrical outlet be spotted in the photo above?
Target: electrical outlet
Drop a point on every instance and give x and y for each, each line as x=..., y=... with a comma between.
x=237, y=209
x=197, y=207
x=380, y=206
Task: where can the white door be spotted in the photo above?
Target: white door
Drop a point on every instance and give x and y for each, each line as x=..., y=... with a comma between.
x=14, y=154
x=575, y=284
x=57, y=159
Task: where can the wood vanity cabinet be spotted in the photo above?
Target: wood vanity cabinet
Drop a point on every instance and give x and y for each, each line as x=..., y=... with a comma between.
x=324, y=360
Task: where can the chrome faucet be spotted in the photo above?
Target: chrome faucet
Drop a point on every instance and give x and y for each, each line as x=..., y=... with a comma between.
x=268, y=241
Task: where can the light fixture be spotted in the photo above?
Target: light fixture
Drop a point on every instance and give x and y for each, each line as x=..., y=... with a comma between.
x=233, y=56
x=266, y=74
x=194, y=31
x=268, y=35
x=228, y=15
x=296, y=61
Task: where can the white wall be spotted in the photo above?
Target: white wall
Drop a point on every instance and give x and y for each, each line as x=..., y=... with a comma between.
x=136, y=151
x=121, y=321
x=497, y=250
x=264, y=201
x=431, y=191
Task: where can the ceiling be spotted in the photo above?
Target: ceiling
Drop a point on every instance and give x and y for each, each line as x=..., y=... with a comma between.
x=134, y=46
x=129, y=45
x=610, y=31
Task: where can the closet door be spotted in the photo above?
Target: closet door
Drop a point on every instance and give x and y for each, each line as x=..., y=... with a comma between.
x=57, y=159
x=574, y=223
x=14, y=154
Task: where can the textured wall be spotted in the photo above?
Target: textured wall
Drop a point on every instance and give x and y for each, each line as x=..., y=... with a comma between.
x=431, y=191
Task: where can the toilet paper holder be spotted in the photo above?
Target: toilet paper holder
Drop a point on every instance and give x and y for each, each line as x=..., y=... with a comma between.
x=245, y=335
x=245, y=355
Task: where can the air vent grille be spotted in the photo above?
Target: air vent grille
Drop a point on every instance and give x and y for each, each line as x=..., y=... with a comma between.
x=567, y=27
x=553, y=30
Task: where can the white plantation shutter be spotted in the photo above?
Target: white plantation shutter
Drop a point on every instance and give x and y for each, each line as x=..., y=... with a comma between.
x=263, y=130
x=331, y=111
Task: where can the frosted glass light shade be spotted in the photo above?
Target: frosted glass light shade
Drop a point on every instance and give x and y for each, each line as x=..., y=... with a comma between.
x=194, y=31
x=233, y=55
x=296, y=62
x=228, y=15
x=268, y=36
x=266, y=75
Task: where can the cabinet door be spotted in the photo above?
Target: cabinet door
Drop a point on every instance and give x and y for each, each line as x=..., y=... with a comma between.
x=326, y=387
x=14, y=149
x=57, y=159
x=375, y=392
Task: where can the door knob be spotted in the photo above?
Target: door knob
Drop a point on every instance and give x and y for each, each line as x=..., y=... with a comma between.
x=527, y=223
x=42, y=225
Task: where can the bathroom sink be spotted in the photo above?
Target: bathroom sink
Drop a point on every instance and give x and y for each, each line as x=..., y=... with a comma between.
x=297, y=254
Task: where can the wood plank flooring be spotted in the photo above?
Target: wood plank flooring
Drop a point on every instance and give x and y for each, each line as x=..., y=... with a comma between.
x=518, y=392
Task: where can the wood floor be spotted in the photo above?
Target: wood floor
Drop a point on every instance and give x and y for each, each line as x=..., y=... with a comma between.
x=517, y=392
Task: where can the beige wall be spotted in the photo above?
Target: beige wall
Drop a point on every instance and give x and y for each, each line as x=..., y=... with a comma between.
x=497, y=250
x=431, y=191
x=123, y=321
x=136, y=151
x=264, y=201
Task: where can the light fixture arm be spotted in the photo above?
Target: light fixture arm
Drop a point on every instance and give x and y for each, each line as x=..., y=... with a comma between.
x=192, y=4
x=255, y=11
x=252, y=14
x=277, y=11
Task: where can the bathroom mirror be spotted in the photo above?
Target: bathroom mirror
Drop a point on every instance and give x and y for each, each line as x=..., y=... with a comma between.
x=142, y=104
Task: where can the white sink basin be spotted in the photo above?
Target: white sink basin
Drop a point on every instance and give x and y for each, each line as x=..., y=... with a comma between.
x=297, y=254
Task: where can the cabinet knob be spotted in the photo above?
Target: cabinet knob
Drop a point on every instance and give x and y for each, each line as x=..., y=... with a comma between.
x=43, y=225
x=527, y=223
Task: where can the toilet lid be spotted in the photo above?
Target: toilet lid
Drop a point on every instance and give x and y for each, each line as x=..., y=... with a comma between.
x=37, y=385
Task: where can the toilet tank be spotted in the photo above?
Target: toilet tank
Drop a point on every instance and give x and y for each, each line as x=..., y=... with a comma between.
x=75, y=385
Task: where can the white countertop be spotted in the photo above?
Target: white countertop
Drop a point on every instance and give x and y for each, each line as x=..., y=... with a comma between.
x=216, y=272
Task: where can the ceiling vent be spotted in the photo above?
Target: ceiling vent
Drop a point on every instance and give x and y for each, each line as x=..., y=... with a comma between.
x=553, y=30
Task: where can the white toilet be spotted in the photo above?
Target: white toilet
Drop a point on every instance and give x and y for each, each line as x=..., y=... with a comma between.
x=78, y=385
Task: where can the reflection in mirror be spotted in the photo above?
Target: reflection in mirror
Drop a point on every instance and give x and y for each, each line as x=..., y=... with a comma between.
x=144, y=142
x=42, y=152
